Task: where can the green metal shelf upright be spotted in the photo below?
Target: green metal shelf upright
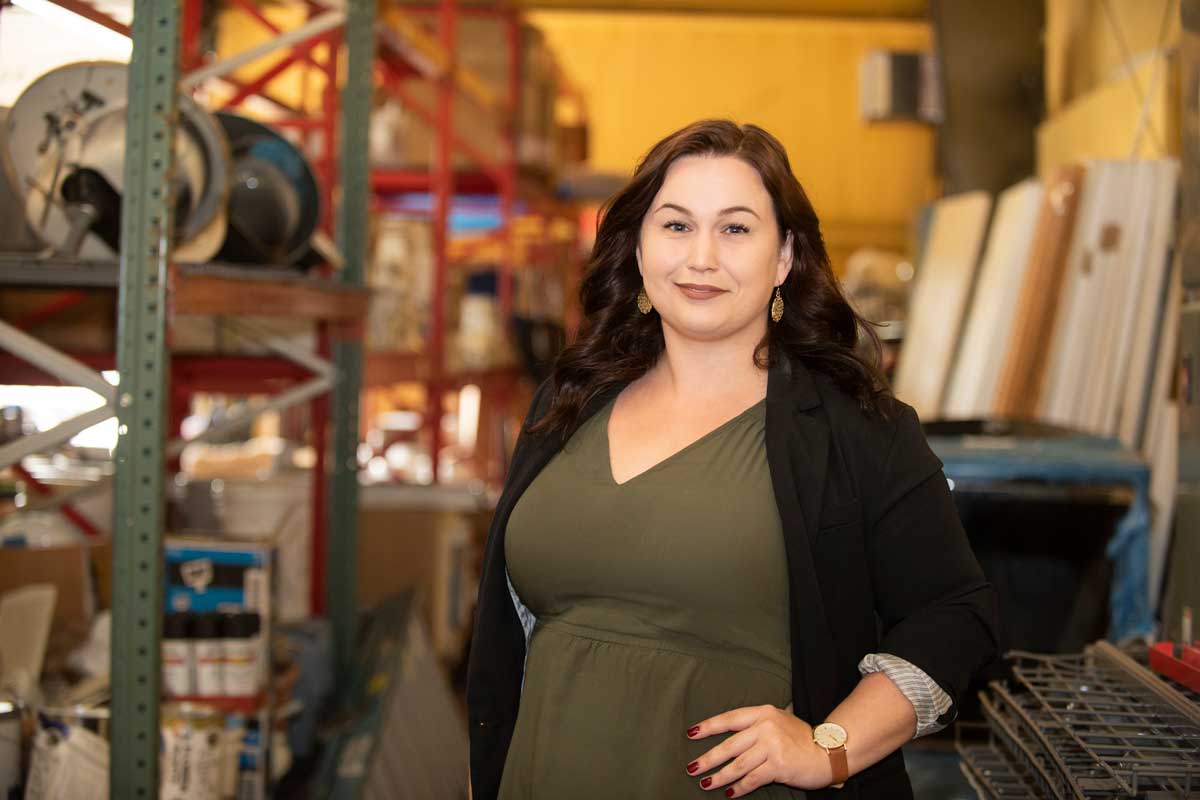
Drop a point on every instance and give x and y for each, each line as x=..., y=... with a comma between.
x=342, y=563
x=138, y=498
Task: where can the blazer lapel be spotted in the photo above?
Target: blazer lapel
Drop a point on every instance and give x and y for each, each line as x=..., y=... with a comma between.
x=797, y=443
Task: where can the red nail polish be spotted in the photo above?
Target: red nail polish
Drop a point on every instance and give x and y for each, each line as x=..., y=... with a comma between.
x=692, y=767
x=729, y=792
x=692, y=731
x=707, y=782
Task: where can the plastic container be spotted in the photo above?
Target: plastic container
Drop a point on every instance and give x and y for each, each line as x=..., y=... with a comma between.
x=210, y=655
x=178, y=656
x=242, y=654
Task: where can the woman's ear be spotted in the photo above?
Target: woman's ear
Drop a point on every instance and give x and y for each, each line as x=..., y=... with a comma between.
x=637, y=252
x=787, y=253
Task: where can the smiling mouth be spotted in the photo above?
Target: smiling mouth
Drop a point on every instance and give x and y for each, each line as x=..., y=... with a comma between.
x=699, y=291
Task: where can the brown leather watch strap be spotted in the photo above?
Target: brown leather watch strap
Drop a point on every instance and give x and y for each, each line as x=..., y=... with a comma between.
x=841, y=769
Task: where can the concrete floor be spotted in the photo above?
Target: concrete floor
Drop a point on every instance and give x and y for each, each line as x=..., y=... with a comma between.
x=935, y=774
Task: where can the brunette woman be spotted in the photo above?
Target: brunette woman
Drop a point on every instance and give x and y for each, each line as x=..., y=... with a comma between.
x=725, y=560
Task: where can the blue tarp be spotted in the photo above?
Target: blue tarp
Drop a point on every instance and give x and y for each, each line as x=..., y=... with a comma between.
x=1075, y=459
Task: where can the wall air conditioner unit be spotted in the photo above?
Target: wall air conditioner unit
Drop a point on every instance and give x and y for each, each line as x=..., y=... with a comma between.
x=899, y=87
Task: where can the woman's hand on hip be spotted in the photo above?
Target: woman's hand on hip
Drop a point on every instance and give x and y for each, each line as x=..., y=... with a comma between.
x=769, y=745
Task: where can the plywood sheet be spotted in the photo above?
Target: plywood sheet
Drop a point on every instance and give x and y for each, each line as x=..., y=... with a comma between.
x=1109, y=323
x=1024, y=361
x=994, y=306
x=943, y=289
x=1155, y=318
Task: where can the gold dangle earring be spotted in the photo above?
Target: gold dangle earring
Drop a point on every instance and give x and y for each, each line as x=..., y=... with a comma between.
x=777, y=306
x=643, y=301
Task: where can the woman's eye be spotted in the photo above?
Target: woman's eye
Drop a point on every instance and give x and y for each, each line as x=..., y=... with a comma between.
x=735, y=228
x=675, y=227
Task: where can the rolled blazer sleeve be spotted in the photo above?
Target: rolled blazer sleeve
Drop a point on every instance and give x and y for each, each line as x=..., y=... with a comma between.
x=937, y=610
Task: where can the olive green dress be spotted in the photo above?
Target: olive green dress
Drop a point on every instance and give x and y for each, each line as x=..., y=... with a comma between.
x=660, y=602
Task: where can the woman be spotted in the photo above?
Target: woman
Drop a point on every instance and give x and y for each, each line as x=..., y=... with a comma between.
x=725, y=559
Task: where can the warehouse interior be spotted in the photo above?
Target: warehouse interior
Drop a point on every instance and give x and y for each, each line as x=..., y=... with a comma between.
x=279, y=279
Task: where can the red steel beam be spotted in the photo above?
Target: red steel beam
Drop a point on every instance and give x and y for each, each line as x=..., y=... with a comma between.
x=190, y=56
x=297, y=52
x=88, y=11
x=63, y=302
x=431, y=117
x=319, y=409
x=252, y=10
x=508, y=184
x=196, y=373
x=443, y=192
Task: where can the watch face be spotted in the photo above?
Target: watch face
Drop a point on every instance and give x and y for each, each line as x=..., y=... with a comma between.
x=830, y=735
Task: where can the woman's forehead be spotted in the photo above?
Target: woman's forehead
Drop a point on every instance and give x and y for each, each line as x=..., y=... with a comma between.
x=710, y=184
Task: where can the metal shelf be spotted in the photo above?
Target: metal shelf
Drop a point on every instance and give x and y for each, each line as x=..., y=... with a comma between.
x=381, y=369
x=208, y=289
x=1091, y=725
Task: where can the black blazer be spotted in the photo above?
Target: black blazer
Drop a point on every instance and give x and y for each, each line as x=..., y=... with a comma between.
x=877, y=561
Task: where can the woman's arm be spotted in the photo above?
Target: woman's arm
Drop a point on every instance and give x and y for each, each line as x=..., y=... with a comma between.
x=937, y=609
x=772, y=745
x=878, y=719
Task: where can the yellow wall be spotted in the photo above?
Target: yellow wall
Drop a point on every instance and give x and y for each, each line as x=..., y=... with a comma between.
x=645, y=75
x=1083, y=51
x=1104, y=101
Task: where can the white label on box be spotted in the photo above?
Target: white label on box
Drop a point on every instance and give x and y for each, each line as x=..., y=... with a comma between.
x=197, y=574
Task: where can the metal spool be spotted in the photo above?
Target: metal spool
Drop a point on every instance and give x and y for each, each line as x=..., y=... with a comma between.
x=65, y=154
x=274, y=205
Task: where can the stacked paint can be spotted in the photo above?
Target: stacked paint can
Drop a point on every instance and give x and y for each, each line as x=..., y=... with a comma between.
x=212, y=655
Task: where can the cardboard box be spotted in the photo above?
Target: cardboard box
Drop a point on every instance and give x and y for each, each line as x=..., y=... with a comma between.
x=218, y=575
x=70, y=570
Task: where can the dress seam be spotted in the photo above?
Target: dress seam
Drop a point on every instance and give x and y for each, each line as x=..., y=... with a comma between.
x=626, y=640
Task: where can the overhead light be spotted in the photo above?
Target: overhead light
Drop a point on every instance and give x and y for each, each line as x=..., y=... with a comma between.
x=78, y=25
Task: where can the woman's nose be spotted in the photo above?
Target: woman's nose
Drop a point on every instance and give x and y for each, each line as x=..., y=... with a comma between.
x=704, y=253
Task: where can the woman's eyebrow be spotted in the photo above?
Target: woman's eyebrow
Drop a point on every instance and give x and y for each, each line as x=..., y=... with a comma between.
x=722, y=213
x=733, y=209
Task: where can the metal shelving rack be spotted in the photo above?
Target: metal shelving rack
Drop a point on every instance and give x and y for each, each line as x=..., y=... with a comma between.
x=151, y=288
x=500, y=178
x=1096, y=724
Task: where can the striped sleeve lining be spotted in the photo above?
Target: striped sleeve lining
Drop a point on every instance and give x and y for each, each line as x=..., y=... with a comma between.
x=528, y=621
x=929, y=700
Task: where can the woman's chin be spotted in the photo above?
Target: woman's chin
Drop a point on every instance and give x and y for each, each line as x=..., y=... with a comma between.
x=701, y=327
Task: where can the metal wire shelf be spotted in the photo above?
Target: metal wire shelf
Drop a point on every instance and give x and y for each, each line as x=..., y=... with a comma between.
x=1094, y=725
x=991, y=774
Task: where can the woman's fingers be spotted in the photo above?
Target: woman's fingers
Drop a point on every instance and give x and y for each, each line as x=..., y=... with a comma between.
x=736, y=771
x=737, y=719
x=758, y=777
x=731, y=748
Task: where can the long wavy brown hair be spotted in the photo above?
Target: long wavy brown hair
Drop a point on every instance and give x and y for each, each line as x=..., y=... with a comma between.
x=616, y=344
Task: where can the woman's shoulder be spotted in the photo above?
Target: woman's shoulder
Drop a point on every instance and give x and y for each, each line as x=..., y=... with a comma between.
x=869, y=427
x=843, y=402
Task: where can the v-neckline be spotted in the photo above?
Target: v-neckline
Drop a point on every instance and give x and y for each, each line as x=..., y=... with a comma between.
x=608, y=469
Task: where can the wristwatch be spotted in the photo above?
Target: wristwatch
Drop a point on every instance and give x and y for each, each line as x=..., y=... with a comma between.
x=831, y=738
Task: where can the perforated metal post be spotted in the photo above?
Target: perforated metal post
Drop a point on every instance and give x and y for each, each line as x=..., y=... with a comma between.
x=342, y=566
x=142, y=361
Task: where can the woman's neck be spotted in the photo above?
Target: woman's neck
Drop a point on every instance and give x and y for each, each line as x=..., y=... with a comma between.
x=695, y=369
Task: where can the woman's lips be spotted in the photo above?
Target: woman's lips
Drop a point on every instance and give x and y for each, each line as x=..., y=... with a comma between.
x=699, y=291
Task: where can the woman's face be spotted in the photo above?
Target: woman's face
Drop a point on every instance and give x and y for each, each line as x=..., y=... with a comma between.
x=710, y=253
